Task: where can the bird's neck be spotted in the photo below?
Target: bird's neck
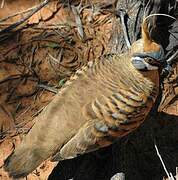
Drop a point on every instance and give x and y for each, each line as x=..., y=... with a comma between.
x=126, y=73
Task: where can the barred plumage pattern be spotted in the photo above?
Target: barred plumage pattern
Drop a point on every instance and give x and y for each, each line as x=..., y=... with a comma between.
x=119, y=101
x=103, y=101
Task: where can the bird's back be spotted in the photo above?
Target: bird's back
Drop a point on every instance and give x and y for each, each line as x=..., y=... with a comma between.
x=103, y=101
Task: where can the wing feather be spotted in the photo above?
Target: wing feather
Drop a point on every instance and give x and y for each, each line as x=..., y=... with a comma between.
x=109, y=118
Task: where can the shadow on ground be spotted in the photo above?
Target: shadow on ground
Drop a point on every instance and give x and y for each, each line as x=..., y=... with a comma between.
x=134, y=155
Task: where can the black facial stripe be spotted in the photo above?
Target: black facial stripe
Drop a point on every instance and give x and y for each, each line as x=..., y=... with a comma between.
x=152, y=61
x=149, y=59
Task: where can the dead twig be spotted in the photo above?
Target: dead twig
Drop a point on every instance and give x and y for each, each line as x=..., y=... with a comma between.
x=78, y=22
x=60, y=54
x=17, y=13
x=48, y=88
x=9, y=115
x=173, y=58
x=38, y=112
x=122, y=14
x=57, y=61
x=26, y=110
x=13, y=77
x=2, y=3
x=16, y=24
x=14, y=131
x=118, y=176
x=26, y=43
x=169, y=175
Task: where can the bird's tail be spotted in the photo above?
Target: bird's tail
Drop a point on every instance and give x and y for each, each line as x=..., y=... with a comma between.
x=23, y=161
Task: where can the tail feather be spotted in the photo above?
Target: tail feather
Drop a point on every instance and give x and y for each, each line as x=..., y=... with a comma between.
x=22, y=162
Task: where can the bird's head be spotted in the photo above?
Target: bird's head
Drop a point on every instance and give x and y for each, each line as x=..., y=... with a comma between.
x=146, y=60
x=146, y=53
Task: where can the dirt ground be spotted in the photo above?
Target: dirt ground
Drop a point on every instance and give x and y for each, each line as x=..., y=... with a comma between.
x=40, y=54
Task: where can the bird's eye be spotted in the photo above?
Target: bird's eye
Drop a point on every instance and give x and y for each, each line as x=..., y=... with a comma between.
x=149, y=60
x=152, y=61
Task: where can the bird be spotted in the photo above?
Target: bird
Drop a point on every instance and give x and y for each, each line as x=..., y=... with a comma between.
x=104, y=100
